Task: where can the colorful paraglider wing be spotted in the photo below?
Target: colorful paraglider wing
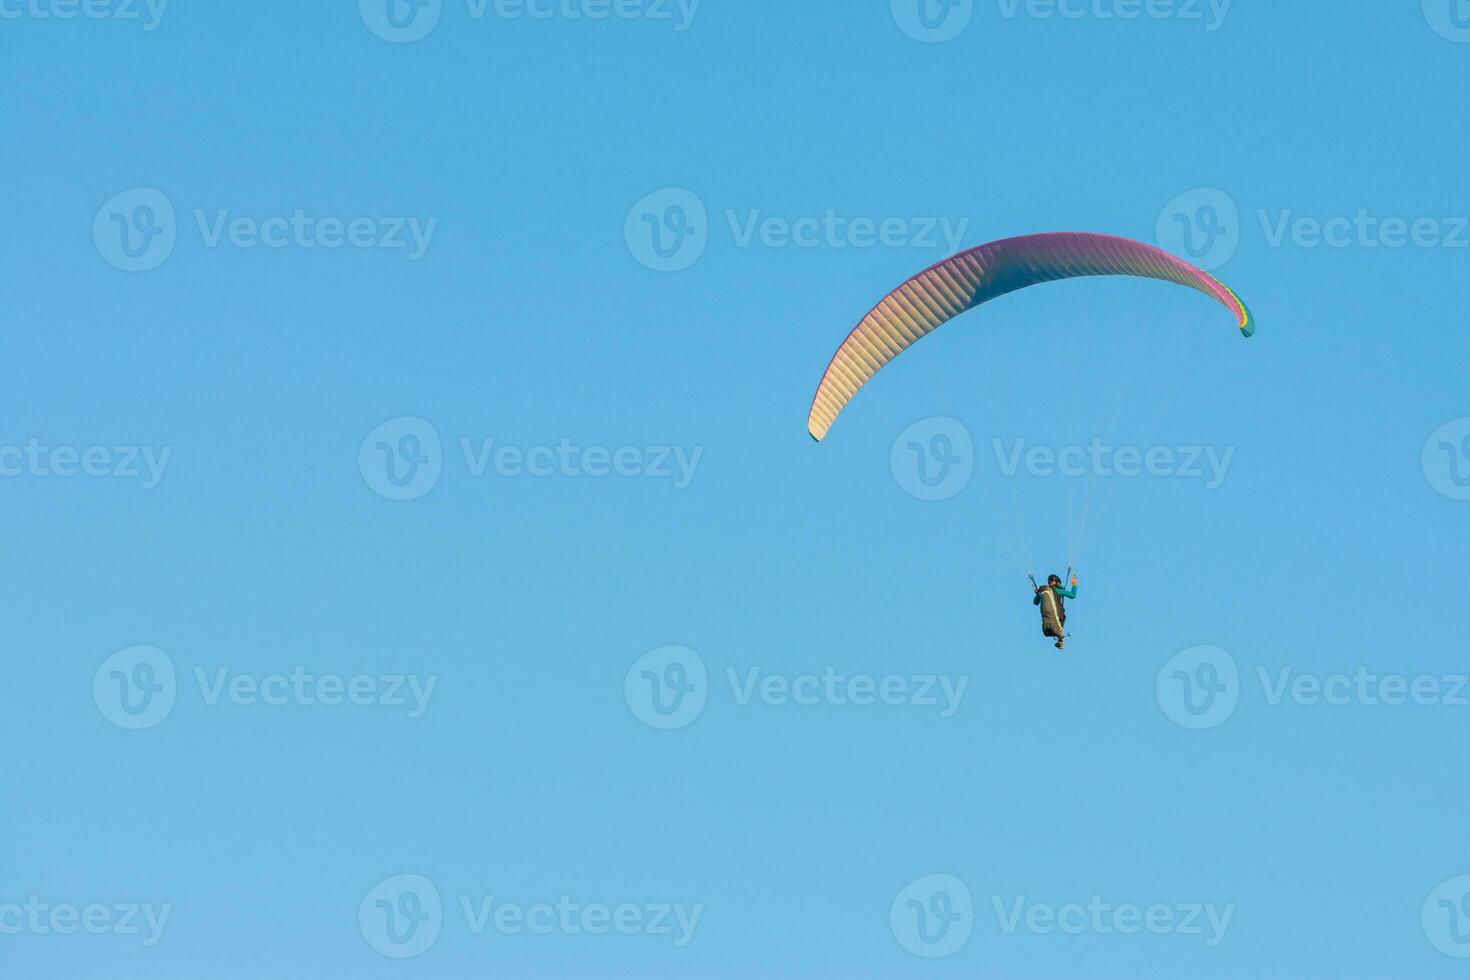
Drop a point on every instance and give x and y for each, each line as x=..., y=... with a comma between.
x=965, y=280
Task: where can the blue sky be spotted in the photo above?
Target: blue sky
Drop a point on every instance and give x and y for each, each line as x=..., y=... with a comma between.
x=390, y=502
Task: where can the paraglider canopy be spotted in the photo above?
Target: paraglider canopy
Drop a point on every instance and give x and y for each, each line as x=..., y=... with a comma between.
x=965, y=280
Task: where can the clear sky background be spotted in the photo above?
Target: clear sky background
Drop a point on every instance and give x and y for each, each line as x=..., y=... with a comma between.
x=268, y=543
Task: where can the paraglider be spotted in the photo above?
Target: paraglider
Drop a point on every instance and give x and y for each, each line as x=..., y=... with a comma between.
x=1052, y=600
x=970, y=278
